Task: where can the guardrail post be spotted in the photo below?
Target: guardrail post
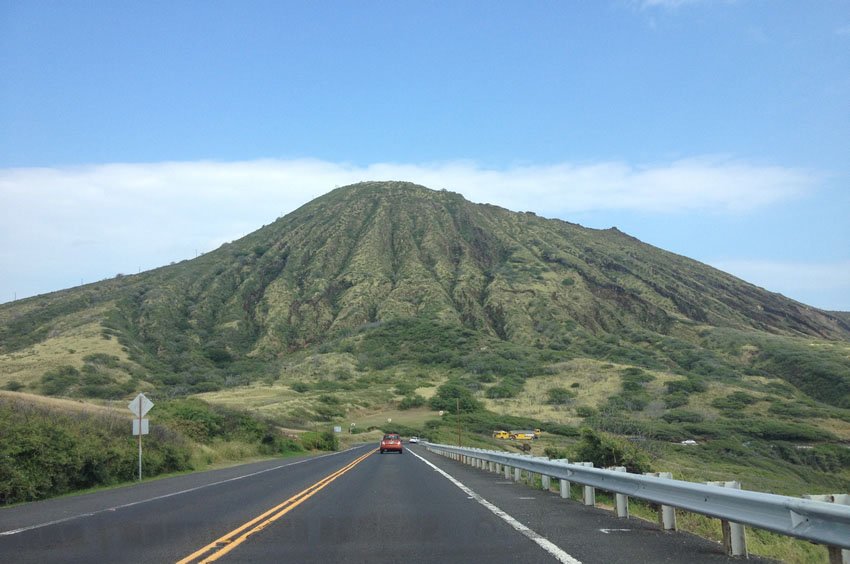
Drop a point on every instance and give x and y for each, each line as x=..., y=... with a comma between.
x=564, y=484
x=667, y=514
x=589, y=491
x=836, y=554
x=545, y=482
x=517, y=474
x=565, y=489
x=622, y=499
x=507, y=470
x=734, y=535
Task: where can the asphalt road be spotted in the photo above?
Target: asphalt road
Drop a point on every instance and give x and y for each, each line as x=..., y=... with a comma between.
x=354, y=506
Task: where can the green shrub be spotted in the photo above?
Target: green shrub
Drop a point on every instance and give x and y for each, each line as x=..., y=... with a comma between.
x=605, y=450
x=101, y=359
x=300, y=387
x=553, y=453
x=46, y=452
x=59, y=380
x=558, y=429
x=682, y=416
x=453, y=394
x=559, y=396
x=322, y=440
x=586, y=411
x=827, y=458
x=734, y=402
x=409, y=402
x=688, y=386
x=326, y=412
x=787, y=409
x=500, y=391
x=676, y=399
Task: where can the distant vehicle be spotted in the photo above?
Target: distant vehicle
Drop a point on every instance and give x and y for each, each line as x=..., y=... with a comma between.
x=523, y=435
x=391, y=442
x=413, y=440
x=501, y=435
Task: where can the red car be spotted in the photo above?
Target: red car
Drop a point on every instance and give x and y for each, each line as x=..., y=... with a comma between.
x=391, y=441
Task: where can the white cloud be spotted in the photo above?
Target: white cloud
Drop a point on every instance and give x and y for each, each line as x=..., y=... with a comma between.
x=822, y=284
x=61, y=225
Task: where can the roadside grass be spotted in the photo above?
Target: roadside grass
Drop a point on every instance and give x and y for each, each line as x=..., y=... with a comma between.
x=200, y=464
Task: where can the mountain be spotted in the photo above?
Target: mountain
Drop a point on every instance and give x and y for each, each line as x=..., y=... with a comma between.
x=364, y=267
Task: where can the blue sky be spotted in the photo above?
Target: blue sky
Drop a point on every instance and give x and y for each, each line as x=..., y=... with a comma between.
x=136, y=134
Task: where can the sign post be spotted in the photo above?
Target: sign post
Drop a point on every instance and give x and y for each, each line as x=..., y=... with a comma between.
x=140, y=406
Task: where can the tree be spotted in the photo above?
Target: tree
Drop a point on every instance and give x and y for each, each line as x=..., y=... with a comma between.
x=559, y=396
x=447, y=397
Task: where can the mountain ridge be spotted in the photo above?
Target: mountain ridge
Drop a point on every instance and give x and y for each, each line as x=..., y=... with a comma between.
x=375, y=252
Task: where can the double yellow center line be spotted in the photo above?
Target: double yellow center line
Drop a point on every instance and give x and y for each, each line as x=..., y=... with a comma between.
x=234, y=538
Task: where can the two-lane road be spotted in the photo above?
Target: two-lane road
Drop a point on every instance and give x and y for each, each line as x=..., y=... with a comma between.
x=354, y=506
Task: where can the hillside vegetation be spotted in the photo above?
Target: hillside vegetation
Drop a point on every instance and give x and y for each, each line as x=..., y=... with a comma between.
x=386, y=300
x=51, y=447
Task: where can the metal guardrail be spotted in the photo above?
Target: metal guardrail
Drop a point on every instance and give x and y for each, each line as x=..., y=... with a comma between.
x=816, y=521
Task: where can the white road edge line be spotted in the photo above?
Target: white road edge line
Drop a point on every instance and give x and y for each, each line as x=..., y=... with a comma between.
x=542, y=541
x=172, y=494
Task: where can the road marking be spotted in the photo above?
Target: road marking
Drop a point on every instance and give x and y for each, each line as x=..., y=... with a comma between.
x=164, y=496
x=607, y=531
x=542, y=541
x=234, y=538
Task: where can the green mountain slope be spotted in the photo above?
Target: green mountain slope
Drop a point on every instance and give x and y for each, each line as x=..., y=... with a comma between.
x=535, y=290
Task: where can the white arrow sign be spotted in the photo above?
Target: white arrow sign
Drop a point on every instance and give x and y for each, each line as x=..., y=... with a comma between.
x=140, y=405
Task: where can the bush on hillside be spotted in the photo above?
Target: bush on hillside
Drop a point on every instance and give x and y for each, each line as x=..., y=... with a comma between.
x=560, y=396
x=605, y=450
x=409, y=402
x=452, y=396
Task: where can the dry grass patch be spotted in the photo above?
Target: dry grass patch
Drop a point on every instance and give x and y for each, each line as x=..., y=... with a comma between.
x=276, y=400
x=838, y=427
x=68, y=405
x=409, y=418
x=27, y=366
x=597, y=381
